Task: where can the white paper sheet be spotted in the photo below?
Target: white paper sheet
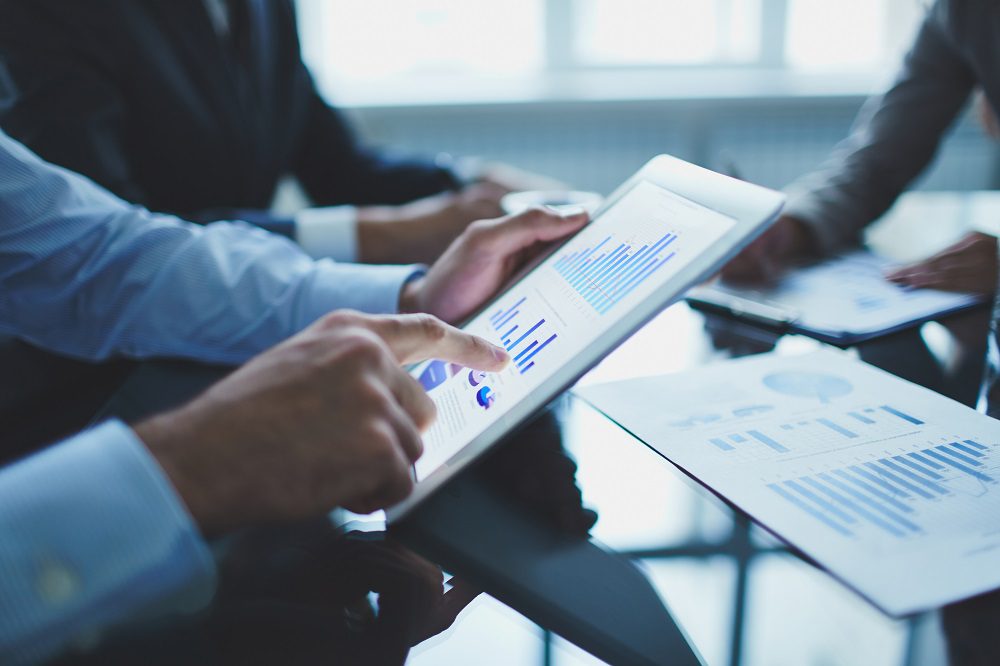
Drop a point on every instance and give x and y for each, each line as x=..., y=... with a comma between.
x=889, y=486
x=845, y=295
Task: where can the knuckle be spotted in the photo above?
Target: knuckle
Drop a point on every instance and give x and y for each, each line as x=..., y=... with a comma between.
x=430, y=326
x=363, y=348
x=374, y=398
x=339, y=319
x=536, y=213
x=479, y=228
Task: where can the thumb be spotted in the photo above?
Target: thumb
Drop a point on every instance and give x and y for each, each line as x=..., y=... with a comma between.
x=516, y=232
x=418, y=337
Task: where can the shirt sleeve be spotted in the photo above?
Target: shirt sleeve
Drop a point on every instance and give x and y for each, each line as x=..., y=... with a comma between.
x=84, y=274
x=91, y=533
x=894, y=138
x=328, y=232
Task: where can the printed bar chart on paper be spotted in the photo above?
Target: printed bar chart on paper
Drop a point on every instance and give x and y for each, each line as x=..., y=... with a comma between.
x=853, y=424
x=870, y=476
x=882, y=492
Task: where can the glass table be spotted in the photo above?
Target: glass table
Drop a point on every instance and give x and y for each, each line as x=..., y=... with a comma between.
x=352, y=594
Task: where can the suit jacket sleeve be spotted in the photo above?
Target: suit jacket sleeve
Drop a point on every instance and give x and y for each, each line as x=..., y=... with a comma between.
x=893, y=139
x=334, y=168
x=46, y=69
x=43, y=72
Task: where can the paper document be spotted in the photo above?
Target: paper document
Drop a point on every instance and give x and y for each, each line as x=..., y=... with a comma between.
x=889, y=486
x=847, y=295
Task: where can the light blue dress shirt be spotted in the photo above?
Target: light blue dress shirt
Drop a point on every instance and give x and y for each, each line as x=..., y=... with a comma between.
x=91, y=532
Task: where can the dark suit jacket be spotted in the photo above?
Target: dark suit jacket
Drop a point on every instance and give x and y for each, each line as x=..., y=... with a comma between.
x=144, y=97
x=148, y=100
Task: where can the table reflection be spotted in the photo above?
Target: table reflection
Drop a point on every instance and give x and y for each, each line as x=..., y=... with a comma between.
x=317, y=593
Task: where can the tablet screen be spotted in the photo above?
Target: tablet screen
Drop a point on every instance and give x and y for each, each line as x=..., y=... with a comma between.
x=628, y=252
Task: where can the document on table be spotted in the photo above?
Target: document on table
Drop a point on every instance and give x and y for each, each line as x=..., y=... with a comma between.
x=843, y=299
x=889, y=486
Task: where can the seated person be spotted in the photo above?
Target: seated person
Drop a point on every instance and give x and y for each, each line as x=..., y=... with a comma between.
x=893, y=140
x=199, y=107
x=112, y=522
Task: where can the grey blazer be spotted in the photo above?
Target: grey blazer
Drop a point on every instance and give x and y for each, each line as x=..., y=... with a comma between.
x=897, y=134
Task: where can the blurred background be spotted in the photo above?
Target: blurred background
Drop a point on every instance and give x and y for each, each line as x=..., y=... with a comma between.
x=587, y=90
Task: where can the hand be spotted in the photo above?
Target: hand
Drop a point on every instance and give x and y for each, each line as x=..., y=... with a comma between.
x=987, y=116
x=482, y=259
x=765, y=258
x=419, y=232
x=325, y=419
x=970, y=265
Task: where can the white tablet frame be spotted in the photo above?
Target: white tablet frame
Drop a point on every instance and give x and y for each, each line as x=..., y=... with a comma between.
x=752, y=207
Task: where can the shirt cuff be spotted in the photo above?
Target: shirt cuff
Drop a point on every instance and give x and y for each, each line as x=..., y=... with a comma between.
x=93, y=534
x=370, y=288
x=829, y=234
x=328, y=232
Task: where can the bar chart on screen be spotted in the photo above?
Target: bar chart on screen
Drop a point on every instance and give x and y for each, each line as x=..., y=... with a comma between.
x=523, y=332
x=609, y=271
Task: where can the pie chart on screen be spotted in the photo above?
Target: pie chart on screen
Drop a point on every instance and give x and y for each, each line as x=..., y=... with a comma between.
x=485, y=397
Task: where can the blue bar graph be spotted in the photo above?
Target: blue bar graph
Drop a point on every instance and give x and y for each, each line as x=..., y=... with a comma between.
x=818, y=515
x=887, y=493
x=604, y=276
x=722, y=444
x=523, y=347
x=837, y=428
x=735, y=441
x=902, y=415
x=862, y=418
x=764, y=439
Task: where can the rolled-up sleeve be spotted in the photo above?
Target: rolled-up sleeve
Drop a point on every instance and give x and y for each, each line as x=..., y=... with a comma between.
x=91, y=532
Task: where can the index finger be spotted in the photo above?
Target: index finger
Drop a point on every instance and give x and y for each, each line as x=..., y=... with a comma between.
x=418, y=337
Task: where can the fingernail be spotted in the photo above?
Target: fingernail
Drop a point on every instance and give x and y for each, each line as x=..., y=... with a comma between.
x=500, y=355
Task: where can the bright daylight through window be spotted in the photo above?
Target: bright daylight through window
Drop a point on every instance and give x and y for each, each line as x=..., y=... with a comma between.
x=378, y=42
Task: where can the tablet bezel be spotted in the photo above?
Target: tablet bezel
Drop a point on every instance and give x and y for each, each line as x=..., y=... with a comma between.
x=753, y=209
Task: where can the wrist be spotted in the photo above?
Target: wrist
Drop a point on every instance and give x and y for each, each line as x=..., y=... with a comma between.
x=800, y=239
x=375, y=226
x=170, y=442
x=410, y=296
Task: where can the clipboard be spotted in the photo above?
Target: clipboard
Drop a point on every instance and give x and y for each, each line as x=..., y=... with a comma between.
x=808, y=300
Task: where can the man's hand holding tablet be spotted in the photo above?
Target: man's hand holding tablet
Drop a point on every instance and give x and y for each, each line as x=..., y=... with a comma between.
x=483, y=259
x=666, y=229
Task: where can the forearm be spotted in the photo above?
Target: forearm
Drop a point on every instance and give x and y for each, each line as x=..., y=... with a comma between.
x=84, y=274
x=92, y=534
x=893, y=140
x=335, y=167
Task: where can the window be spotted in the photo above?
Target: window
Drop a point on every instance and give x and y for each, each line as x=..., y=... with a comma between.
x=665, y=32
x=849, y=34
x=380, y=43
x=366, y=39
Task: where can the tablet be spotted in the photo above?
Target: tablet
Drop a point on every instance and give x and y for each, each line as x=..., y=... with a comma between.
x=667, y=228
